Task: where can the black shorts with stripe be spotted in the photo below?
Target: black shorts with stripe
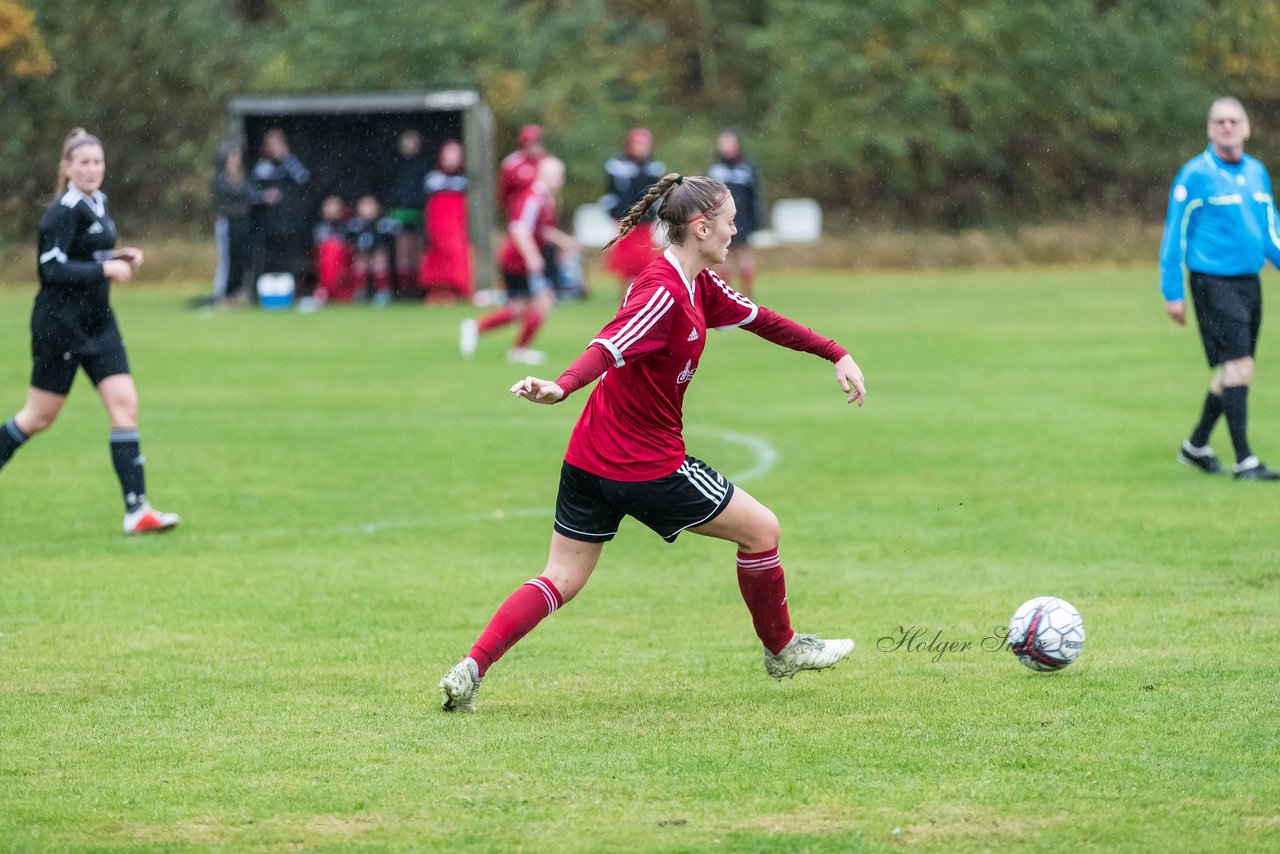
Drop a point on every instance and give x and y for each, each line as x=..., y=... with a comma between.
x=1229, y=314
x=589, y=507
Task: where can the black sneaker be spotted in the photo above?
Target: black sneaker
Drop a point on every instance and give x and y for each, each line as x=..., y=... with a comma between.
x=1204, y=460
x=1253, y=469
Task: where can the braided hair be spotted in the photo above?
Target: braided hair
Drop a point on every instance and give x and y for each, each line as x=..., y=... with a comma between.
x=684, y=199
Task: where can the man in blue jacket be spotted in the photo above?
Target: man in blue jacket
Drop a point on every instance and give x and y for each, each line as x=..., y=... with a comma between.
x=1221, y=228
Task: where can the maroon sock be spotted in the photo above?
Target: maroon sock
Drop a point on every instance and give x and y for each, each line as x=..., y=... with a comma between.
x=516, y=617
x=765, y=592
x=532, y=322
x=497, y=317
x=382, y=280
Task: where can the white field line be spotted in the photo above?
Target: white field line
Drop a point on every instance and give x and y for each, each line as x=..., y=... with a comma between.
x=766, y=457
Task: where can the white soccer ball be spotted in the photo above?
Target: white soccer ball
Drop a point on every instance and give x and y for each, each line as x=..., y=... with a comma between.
x=1046, y=633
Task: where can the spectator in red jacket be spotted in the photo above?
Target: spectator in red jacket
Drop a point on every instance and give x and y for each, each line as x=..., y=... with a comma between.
x=332, y=254
x=445, y=273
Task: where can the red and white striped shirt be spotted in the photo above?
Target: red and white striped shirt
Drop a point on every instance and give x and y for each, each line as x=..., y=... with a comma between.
x=535, y=210
x=631, y=427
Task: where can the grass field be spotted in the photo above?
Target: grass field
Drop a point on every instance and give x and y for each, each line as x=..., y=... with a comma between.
x=357, y=501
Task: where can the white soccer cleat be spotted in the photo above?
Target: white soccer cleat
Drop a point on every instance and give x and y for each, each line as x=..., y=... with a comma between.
x=459, y=687
x=468, y=337
x=806, y=652
x=148, y=520
x=525, y=356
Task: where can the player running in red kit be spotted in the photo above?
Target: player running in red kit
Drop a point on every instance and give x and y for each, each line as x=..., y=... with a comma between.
x=626, y=456
x=519, y=169
x=530, y=293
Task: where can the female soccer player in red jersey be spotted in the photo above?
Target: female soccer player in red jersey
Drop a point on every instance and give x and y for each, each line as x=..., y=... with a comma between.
x=626, y=456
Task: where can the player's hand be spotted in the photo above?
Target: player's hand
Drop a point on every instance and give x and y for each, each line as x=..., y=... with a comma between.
x=849, y=375
x=130, y=254
x=1177, y=309
x=538, y=391
x=118, y=270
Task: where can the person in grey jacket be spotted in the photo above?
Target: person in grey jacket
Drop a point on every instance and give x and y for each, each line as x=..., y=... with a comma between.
x=233, y=200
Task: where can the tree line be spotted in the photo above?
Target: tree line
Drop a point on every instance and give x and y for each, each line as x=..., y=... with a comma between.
x=937, y=113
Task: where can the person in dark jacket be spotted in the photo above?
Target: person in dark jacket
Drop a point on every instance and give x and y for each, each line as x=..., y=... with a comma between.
x=404, y=196
x=627, y=177
x=736, y=172
x=278, y=179
x=73, y=326
x=372, y=237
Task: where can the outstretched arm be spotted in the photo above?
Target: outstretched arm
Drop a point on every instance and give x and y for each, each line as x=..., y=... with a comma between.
x=584, y=370
x=538, y=391
x=785, y=332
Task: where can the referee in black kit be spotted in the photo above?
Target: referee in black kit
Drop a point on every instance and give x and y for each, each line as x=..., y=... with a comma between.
x=73, y=326
x=1221, y=228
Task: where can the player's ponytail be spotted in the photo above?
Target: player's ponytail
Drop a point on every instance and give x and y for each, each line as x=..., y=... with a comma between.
x=640, y=208
x=75, y=139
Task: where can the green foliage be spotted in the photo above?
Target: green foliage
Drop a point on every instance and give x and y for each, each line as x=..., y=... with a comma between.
x=952, y=114
x=152, y=81
x=966, y=113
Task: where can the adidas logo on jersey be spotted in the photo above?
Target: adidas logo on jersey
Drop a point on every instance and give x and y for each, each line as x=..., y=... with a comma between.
x=687, y=374
x=693, y=335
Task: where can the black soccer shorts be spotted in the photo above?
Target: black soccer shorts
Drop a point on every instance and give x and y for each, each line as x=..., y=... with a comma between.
x=55, y=358
x=1229, y=314
x=522, y=285
x=589, y=507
